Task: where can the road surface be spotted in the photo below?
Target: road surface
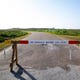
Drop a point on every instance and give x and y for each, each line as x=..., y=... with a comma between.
x=42, y=62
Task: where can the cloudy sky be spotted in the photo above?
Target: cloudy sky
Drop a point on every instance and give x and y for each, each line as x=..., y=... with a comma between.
x=39, y=14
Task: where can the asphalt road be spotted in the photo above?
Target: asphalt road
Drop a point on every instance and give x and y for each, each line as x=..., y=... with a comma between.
x=42, y=62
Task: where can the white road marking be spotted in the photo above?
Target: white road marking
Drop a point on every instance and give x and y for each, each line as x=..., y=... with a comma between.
x=70, y=55
x=52, y=47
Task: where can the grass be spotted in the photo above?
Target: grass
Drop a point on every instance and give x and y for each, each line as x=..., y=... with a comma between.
x=71, y=37
x=69, y=34
x=6, y=44
x=67, y=37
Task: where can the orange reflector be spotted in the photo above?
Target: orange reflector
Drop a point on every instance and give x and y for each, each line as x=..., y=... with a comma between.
x=23, y=42
x=74, y=42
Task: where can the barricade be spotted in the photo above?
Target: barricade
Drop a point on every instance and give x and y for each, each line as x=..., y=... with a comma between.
x=14, y=46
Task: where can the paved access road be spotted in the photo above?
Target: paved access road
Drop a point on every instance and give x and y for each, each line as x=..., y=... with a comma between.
x=42, y=62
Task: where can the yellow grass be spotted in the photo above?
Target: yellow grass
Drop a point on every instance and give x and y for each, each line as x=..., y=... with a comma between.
x=71, y=37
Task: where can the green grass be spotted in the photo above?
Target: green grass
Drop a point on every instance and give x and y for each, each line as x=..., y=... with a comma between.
x=69, y=32
x=11, y=35
x=72, y=34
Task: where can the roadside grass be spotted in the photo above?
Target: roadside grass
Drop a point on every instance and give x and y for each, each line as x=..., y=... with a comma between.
x=6, y=44
x=70, y=37
x=67, y=37
x=66, y=34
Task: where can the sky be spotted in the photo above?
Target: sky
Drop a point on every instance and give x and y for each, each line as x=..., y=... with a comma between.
x=40, y=14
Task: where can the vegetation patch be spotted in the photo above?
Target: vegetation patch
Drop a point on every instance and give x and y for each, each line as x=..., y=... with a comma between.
x=67, y=32
x=73, y=34
x=11, y=35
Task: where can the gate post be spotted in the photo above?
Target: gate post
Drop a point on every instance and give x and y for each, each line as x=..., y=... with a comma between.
x=14, y=55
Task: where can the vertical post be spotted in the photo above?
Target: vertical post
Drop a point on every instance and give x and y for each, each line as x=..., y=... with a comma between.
x=14, y=56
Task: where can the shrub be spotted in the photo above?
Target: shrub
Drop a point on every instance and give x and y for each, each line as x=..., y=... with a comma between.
x=2, y=39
